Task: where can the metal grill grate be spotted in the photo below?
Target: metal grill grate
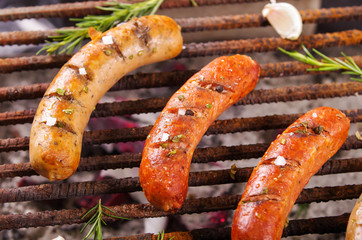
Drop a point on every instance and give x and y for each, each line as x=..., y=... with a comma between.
x=277, y=95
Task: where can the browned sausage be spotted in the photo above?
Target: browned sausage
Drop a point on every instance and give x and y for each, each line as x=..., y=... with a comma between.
x=286, y=167
x=62, y=115
x=168, y=150
x=354, y=227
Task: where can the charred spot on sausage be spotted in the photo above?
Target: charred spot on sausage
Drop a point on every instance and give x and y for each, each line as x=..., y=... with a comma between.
x=65, y=126
x=189, y=112
x=219, y=89
x=81, y=72
x=142, y=32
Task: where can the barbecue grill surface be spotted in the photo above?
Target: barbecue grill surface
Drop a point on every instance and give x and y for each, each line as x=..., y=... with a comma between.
x=31, y=205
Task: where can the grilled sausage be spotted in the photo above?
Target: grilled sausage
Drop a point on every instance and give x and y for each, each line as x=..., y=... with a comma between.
x=286, y=167
x=354, y=227
x=168, y=150
x=63, y=113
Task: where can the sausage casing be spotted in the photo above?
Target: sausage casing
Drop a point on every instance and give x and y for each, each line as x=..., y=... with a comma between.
x=286, y=167
x=165, y=165
x=63, y=113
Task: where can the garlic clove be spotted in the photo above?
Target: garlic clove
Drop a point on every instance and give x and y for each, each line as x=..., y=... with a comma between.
x=284, y=18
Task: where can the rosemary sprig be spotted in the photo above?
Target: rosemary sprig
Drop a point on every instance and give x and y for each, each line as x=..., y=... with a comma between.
x=68, y=40
x=161, y=236
x=348, y=66
x=96, y=221
x=194, y=3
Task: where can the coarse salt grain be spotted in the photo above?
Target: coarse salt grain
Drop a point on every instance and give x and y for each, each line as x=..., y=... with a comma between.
x=314, y=115
x=51, y=121
x=280, y=161
x=181, y=111
x=82, y=71
x=164, y=137
x=120, y=24
x=107, y=40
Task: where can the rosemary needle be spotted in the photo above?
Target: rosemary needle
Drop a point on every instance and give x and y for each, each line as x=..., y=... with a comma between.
x=97, y=220
x=161, y=236
x=348, y=65
x=67, y=40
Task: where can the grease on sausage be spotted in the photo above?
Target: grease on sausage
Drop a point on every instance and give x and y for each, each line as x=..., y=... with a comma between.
x=165, y=165
x=63, y=113
x=286, y=167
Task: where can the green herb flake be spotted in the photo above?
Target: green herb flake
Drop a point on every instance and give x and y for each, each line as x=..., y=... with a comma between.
x=68, y=111
x=286, y=223
x=181, y=97
x=130, y=57
x=233, y=171
x=154, y=50
x=318, y=130
x=303, y=131
x=85, y=89
x=265, y=191
x=108, y=52
x=59, y=124
x=140, y=53
x=193, y=3
x=164, y=145
x=171, y=153
x=208, y=105
x=60, y=91
x=177, y=138
x=304, y=124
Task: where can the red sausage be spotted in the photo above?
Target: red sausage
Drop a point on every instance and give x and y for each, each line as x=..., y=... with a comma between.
x=286, y=167
x=168, y=150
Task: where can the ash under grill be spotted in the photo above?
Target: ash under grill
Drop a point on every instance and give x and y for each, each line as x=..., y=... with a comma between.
x=241, y=136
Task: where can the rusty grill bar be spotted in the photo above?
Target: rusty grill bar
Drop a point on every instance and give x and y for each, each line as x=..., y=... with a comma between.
x=191, y=50
x=86, y=8
x=156, y=104
x=207, y=23
x=200, y=205
x=283, y=94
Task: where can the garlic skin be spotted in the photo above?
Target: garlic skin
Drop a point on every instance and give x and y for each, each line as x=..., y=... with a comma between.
x=284, y=18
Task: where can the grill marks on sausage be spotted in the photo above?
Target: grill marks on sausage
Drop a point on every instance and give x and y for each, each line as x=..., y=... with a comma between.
x=262, y=197
x=291, y=163
x=142, y=33
x=212, y=86
x=87, y=77
x=307, y=130
x=116, y=46
x=65, y=126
